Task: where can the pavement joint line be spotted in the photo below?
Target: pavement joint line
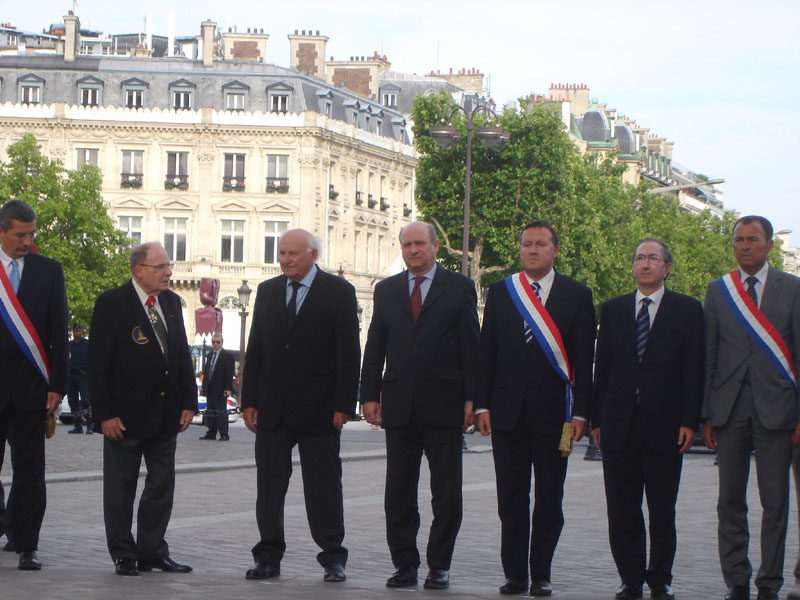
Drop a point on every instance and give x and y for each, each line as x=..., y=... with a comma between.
x=207, y=467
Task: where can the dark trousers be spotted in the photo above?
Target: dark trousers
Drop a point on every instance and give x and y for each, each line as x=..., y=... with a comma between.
x=78, y=392
x=515, y=452
x=217, y=414
x=121, y=462
x=25, y=431
x=322, y=488
x=404, y=448
x=630, y=473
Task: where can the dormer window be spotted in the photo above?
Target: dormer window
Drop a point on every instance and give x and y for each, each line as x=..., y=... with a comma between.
x=90, y=90
x=279, y=97
x=182, y=94
x=134, y=92
x=31, y=89
x=236, y=94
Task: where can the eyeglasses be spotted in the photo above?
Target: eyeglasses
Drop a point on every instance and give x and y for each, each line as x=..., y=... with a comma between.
x=161, y=267
x=216, y=342
x=653, y=258
x=21, y=236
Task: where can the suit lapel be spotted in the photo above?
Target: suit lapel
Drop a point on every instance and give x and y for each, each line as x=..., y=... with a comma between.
x=628, y=321
x=142, y=321
x=666, y=311
x=29, y=279
x=403, y=296
x=435, y=291
x=771, y=290
x=316, y=290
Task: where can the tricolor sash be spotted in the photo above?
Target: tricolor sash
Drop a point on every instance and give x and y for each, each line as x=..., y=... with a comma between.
x=756, y=325
x=548, y=337
x=21, y=328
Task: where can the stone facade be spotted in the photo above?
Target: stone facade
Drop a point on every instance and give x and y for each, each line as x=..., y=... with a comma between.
x=217, y=162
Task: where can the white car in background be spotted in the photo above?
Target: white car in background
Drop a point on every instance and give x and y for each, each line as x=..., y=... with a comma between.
x=233, y=410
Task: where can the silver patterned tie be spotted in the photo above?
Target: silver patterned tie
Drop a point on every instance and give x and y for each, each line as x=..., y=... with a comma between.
x=642, y=328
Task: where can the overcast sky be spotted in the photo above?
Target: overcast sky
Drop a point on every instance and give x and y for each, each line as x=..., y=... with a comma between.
x=720, y=79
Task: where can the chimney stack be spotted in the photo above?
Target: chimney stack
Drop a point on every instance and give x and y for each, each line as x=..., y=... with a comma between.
x=72, y=37
x=207, y=34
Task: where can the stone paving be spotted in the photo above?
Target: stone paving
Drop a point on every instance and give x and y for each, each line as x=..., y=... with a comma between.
x=213, y=528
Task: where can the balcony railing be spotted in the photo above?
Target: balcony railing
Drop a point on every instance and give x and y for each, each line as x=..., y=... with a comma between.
x=233, y=184
x=332, y=193
x=131, y=180
x=406, y=210
x=384, y=203
x=176, y=182
x=359, y=198
x=278, y=184
x=371, y=202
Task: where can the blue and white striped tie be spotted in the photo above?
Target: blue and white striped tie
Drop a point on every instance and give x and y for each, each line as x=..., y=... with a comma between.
x=528, y=333
x=642, y=328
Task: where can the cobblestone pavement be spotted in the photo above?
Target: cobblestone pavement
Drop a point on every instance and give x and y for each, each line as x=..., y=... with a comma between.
x=213, y=528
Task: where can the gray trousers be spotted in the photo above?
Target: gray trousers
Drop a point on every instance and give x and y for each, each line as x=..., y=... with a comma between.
x=773, y=455
x=796, y=469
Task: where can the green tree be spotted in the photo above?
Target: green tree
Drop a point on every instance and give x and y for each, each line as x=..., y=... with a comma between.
x=72, y=222
x=541, y=174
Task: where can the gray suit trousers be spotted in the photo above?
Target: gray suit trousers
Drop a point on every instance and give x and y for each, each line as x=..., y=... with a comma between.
x=742, y=433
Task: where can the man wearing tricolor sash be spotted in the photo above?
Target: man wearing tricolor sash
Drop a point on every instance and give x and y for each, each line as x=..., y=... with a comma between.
x=535, y=384
x=752, y=318
x=33, y=367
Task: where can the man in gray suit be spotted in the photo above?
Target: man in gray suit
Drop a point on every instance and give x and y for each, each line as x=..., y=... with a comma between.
x=752, y=320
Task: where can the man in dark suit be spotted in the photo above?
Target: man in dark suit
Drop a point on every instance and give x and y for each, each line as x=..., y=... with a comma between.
x=34, y=375
x=143, y=392
x=751, y=402
x=523, y=400
x=217, y=386
x=647, y=397
x=299, y=387
x=425, y=328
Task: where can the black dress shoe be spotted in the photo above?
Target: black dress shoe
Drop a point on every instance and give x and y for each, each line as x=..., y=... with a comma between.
x=767, y=594
x=661, y=592
x=628, y=592
x=437, y=579
x=541, y=587
x=334, y=573
x=208, y=436
x=165, y=564
x=126, y=567
x=224, y=437
x=29, y=561
x=738, y=592
x=513, y=586
x=263, y=570
x=405, y=576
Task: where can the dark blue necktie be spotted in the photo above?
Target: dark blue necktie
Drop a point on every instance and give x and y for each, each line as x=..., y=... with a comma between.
x=291, y=308
x=642, y=328
x=751, y=289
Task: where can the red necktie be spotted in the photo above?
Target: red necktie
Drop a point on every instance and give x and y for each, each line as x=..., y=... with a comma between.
x=416, y=298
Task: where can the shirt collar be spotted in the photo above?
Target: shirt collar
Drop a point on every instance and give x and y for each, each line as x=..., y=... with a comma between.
x=308, y=279
x=761, y=275
x=428, y=275
x=547, y=281
x=6, y=259
x=143, y=296
x=655, y=297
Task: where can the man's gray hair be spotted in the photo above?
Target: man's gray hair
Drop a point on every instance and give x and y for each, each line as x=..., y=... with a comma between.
x=428, y=226
x=314, y=242
x=139, y=254
x=17, y=210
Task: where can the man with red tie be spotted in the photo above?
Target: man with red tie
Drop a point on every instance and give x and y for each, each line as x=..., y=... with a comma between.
x=141, y=382
x=425, y=329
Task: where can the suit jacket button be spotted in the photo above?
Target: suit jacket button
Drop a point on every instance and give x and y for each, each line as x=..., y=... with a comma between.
x=163, y=393
x=166, y=372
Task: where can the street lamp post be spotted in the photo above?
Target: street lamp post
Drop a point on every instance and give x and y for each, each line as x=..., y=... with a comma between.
x=244, y=300
x=492, y=136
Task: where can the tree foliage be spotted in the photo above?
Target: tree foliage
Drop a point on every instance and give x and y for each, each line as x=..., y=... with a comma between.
x=541, y=174
x=72, y=222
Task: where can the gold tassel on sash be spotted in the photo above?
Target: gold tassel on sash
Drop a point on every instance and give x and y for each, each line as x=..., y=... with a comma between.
x=565, y=445
x=50, y=426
